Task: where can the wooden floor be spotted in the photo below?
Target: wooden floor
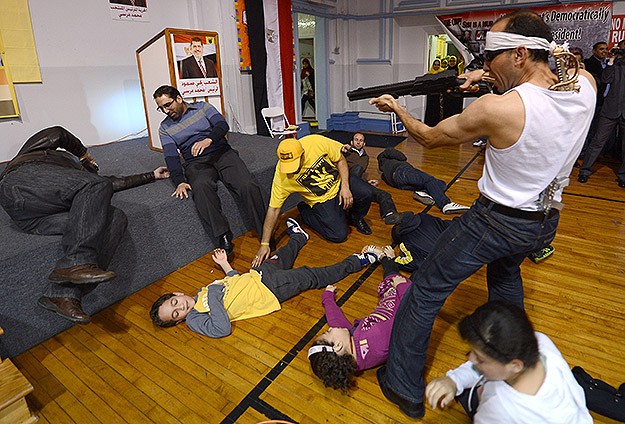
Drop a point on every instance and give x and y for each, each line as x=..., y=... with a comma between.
x=121, y=369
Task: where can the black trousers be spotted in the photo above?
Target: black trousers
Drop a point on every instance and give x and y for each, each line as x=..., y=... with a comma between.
x=225, y=166
x=285, y=282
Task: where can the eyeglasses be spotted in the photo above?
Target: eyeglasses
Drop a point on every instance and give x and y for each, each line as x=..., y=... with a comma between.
x=165, y=106
x=490, y=55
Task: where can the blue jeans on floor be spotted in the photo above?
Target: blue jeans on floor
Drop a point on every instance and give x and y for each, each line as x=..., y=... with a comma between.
x=407, y=177
x=479, y=237
x=48, y=199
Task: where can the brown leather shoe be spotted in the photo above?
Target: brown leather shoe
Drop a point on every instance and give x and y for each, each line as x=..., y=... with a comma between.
x=67, y=307
x=81, y=274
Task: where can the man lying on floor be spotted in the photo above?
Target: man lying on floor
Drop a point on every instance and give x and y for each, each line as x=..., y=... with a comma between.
x=255, y=293
x=416, y=235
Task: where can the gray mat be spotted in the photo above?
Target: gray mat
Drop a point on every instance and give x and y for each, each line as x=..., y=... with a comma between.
x=163, y=235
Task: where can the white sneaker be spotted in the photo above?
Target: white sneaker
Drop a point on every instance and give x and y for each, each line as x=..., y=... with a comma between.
x=423, y=197
x=479, y=143
x=293, y=227
x=453, y=207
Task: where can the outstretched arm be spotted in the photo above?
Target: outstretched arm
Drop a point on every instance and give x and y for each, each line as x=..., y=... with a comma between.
x=270, y=222
x=334, y=315
x=221, y=258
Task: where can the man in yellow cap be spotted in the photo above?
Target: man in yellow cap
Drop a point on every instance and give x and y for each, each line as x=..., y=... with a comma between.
x=315, y=168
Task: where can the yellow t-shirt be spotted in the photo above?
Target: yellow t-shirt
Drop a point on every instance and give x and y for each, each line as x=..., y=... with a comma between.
x=318, y=180
x=245, y=297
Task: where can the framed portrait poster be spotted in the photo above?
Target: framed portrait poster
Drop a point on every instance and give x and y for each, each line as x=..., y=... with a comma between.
x=186, y=59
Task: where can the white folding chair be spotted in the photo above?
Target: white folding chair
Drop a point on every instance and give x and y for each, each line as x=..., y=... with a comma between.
x=277, y=122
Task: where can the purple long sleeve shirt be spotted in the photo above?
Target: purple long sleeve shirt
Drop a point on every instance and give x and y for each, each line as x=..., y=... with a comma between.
x=371, y=334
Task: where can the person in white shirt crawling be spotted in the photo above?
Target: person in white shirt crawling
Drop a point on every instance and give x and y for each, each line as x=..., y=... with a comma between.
x=514, y=374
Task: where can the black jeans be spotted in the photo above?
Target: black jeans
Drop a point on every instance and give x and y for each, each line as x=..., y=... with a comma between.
x=329, y=218
x=49, y=199
x=285, y=282
x=225, y=166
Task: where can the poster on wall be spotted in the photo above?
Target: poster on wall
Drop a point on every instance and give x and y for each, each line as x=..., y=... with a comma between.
x=243, y=41
x=196, y=59
x=129, y=10
x=580, y=24
x=617, y=31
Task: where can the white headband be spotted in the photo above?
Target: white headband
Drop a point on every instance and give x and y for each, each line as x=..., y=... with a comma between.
x=508, y=40
x=319, y=348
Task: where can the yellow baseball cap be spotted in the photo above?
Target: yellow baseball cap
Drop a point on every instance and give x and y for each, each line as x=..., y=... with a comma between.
x=289, y=152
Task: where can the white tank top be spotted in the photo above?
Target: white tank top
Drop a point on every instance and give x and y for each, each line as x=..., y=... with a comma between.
x=556, y=124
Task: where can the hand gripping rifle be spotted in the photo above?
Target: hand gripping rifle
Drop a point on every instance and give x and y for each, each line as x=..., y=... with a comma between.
x=426, y=84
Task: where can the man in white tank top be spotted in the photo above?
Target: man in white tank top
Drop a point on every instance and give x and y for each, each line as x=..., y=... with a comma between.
x=534, y=136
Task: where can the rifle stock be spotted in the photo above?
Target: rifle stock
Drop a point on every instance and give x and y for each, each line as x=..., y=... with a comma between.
x=426, y=84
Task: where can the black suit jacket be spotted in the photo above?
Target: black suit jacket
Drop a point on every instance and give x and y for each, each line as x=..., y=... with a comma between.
x=190, y=68
x=614, y=101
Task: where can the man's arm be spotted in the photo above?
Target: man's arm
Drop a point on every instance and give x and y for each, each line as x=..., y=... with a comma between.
x=270, y=222
x=132, y=181
x=345, y=195
x=498, y=117
x=216, y=322
x=219, y=129
x=53, y=138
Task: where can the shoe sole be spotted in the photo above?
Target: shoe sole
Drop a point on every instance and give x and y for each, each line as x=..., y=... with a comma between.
x=428, y=201
x=60, y=279
x=295, y=224
x=52, y=308
x=455, y=211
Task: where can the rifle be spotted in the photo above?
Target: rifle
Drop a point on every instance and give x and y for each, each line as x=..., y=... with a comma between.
x=426, y=84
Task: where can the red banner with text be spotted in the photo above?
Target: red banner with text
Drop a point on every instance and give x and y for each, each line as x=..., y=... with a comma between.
x=579, y=24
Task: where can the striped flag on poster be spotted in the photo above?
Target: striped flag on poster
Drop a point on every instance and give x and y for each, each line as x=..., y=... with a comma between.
x=270, y=30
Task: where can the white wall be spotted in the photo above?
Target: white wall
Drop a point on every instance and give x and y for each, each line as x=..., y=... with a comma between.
x=89, y=70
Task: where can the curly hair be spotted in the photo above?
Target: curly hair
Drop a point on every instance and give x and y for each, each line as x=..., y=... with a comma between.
x=154, y=311
x=336, y=371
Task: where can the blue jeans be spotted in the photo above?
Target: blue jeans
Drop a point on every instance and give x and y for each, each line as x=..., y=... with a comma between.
x=407, y=177
x=479, y=237
x=49, y=199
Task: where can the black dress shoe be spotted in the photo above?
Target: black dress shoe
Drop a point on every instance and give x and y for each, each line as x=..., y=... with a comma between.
x=81, y=274
x=394, y=218
x=621, y=183
x=361, y=226
x=582, y=178
x=413, y=410
x=225, y=242
x=67, y=307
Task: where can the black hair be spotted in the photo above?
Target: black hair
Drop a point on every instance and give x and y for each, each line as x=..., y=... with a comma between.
x=196, y=39
x=502, y=331
x=530, y=24
x=597, y=44
x=336, y=371
x=167, y=90
x=154, y=311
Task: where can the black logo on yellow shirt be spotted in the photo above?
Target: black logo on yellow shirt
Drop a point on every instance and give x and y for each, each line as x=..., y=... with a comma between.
x=320, y=177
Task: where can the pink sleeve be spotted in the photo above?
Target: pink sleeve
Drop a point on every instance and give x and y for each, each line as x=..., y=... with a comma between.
x=334, y=315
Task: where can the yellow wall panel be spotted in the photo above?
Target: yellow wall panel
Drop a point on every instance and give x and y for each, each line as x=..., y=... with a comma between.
x=19, y=41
